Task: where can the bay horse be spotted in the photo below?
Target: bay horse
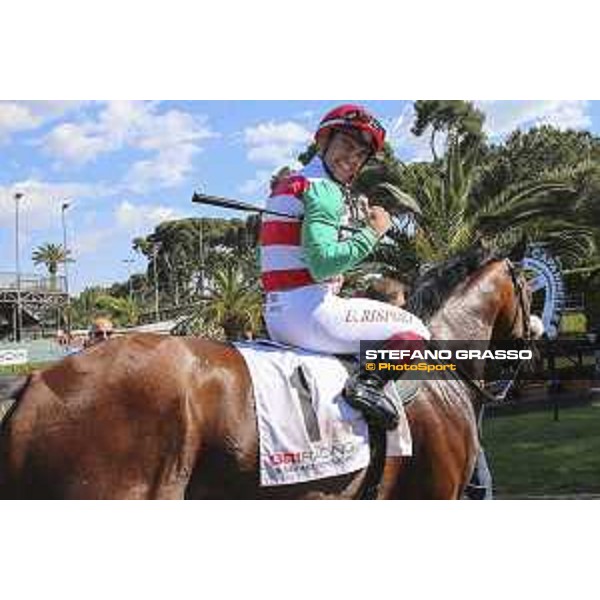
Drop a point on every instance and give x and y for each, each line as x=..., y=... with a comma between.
x=156, y=416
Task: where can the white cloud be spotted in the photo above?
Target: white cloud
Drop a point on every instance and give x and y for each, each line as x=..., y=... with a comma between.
x=129, y=219
x=502, y=117
x=41, y=203
x=72, y=143
x=40, y=210
x=17, y=115
x=276, y=144
x=139, y=218
x=167, y=168
x=171, y=129
x=259, y=184
x=116, y=124
x=89, y=241
x=172, y=138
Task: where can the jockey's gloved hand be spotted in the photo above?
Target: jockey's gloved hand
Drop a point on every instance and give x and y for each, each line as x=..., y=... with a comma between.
x=379, y=220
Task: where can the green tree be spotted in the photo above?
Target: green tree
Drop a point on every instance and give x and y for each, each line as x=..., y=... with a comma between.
x=97, y=301
x=453, y=118
x=83, y=306
x=235, y=300
x=525, y=155
x=549, y=208
x=186, y=249
x=51, y=255
x=122, y=311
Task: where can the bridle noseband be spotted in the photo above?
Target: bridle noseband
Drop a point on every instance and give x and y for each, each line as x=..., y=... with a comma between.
x=519, y=288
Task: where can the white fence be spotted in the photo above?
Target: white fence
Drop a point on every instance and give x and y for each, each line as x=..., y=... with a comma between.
x=35, y=351
x=13, y=356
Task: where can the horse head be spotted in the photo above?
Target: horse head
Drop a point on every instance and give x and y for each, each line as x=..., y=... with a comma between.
x=476, y=295
x=514, y=320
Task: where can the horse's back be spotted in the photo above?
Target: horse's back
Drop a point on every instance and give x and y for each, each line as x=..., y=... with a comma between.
x=147, y=416
x=122, y=419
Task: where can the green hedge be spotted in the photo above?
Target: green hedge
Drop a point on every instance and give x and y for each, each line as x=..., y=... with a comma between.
x=573, y=323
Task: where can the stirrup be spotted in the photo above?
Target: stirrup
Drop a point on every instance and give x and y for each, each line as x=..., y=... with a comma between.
x=367, y=395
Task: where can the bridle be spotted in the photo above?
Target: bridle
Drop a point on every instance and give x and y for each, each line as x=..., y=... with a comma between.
x=520, y=311
x=519, y=288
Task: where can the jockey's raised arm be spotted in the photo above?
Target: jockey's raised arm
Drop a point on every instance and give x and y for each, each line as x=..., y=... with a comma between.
x=303, y=257
x=326, y=255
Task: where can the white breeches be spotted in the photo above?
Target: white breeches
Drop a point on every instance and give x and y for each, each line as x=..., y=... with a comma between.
x=315, y=318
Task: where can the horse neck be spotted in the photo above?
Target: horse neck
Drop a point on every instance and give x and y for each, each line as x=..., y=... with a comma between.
x=471, y=311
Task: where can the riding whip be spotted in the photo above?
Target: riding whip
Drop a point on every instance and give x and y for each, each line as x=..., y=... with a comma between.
x=199, y=198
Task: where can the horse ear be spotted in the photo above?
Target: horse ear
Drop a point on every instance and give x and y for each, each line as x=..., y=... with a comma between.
x=478, y=244
x=482, y=248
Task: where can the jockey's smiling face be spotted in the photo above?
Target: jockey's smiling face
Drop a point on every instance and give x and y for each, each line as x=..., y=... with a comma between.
x=345, y=155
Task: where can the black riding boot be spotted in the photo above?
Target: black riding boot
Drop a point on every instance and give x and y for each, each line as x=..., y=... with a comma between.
x=364, y=391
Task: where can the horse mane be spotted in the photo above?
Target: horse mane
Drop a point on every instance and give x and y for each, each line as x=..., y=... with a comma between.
x=433, y=287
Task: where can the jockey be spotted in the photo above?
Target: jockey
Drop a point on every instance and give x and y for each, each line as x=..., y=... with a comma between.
x=304, y=256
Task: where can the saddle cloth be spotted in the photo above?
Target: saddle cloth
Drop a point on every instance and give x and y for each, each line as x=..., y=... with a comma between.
x=5, y=406
x=306, y=430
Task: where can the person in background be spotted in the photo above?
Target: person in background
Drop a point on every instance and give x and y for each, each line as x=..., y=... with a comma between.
x=388, y=289
x=62, y=339
x=102, y=329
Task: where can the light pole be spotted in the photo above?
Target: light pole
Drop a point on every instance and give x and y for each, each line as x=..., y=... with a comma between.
x=66, y=270
x=129, y=262
x=155, y=249
x=19, y=319
x=201, y=256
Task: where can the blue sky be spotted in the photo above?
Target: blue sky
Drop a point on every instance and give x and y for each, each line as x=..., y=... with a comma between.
x=127, y=165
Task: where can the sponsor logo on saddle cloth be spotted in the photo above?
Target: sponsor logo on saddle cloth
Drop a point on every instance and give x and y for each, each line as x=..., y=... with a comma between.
x=306, y=429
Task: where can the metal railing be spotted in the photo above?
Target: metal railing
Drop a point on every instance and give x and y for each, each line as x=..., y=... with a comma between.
x=34, y=283
x=574, y=302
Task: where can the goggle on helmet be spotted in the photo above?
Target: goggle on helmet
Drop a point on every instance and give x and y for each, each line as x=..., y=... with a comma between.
x=352, y=116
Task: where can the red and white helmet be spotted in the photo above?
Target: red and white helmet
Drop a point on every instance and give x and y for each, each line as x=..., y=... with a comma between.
x=353, y=116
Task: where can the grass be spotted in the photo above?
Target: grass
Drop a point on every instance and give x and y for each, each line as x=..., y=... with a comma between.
x=532, y=455
x=23, y=369
x=573, y=323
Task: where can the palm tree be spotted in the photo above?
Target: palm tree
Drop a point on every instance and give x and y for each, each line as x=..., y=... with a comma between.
x=455, y=213
x=83, y=306
x=122, y=311
x=51, y=255
x=188, y=247
x=235, y=300
x=462, y=198
x=95, y=301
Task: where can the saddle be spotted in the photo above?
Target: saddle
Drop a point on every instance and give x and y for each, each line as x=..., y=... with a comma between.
x=306, y=428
